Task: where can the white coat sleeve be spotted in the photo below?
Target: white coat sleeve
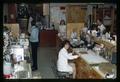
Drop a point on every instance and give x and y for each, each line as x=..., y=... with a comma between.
x=72, y=35
x=70, y=56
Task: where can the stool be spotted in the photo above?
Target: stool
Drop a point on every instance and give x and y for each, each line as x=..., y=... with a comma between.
x=64, y=75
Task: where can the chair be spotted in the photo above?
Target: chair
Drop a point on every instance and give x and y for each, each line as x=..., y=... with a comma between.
x=64, y=75
x=60, y=75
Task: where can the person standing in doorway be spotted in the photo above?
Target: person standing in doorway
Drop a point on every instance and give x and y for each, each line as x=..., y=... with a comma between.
x=34, y=44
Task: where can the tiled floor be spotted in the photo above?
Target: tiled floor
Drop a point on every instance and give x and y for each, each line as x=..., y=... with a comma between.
x=45, y=57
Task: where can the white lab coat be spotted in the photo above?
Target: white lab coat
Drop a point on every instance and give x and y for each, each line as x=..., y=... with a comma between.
x=94, y=32
x=62, y=63
x=74, y=35
x=62, y=28
x=102, y=28
x=29, y=24
x=62, y=31
x=85, y=29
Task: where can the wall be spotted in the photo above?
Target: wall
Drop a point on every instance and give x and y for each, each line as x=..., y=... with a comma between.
x=12, y=13
x=46, y=13
x=5, y=11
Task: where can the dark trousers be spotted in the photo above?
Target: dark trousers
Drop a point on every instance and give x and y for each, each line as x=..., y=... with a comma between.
x=34, y=46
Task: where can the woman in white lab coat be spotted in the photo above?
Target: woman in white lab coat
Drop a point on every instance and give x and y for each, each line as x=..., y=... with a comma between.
x=63, y=57
x=62, y=30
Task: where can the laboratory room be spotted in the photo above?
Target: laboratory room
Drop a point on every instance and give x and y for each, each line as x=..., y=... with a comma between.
x=59, y=41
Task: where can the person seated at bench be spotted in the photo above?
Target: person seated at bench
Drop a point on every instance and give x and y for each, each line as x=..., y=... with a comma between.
x=74, y=34
x=63, y=57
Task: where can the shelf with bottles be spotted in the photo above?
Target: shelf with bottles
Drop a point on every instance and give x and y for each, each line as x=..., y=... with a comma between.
x=15, y=58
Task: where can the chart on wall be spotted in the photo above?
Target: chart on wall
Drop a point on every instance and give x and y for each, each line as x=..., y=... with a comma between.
x=56, y=15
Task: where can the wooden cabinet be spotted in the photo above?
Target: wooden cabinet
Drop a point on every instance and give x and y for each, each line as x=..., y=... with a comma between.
x=75, y=19
x=48, y=38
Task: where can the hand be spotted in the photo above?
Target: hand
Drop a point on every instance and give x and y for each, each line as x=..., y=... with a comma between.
x=73, y=51
x=79, y=54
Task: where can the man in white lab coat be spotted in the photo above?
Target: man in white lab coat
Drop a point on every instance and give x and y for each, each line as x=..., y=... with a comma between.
x=63, y=57
x=101, y=26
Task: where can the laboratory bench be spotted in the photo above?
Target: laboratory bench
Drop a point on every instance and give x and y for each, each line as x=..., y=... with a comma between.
x=21, y=69
x=84, y=71
x=106, y=42
x=90, y=65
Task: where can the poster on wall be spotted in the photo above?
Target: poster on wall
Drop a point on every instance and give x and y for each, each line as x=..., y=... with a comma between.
x=56, y=15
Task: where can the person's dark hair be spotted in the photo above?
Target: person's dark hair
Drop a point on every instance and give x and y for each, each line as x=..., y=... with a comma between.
x=53, y=25
x=100, y=20
x=96, y=28
x=62, y=22
x=33, y=23
x=65, y=42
